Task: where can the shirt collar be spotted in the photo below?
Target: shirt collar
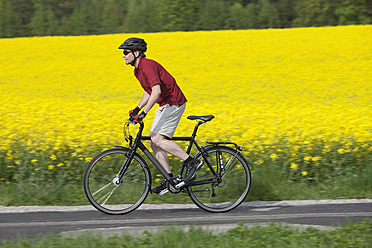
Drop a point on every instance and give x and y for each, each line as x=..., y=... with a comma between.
x=139, y=64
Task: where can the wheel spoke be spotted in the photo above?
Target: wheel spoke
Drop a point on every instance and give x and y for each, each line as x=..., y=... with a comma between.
x=229, y=164
x=101, y=182
x=109, y=194
x=101, y=189
x=227, y=191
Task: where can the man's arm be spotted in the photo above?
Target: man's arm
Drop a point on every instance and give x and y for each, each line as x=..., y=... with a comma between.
x=153, y=98
x=144, y=100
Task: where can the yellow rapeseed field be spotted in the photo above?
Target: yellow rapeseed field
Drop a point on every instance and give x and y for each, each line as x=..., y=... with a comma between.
x=297, y=97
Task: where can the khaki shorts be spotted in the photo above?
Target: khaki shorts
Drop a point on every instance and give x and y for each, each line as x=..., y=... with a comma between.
x=166, y=119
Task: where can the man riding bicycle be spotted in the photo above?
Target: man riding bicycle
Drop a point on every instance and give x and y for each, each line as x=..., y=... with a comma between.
x=160, y=87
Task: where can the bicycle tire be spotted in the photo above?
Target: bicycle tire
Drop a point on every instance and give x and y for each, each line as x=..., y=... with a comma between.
x=110, y=196
x=234, y=186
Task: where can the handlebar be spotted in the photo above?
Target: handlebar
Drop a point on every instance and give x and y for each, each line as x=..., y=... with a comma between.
x=127, y=136
x=133, y=121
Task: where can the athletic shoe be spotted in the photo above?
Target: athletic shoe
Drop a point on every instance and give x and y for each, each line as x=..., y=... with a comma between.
x=191, y=170
x=162, y=186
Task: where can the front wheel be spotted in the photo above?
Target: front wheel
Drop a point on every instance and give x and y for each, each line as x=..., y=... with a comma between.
x=226, y=189
x=109, y=194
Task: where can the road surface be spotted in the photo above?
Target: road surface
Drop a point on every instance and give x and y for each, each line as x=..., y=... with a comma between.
x=29, y=222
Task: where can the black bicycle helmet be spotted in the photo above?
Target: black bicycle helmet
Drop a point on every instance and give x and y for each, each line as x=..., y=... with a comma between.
x=134, y=44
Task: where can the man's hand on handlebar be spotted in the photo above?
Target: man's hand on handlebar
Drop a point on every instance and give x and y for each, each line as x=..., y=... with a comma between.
x=140, y=117
x=134, y=112
x=135, y=117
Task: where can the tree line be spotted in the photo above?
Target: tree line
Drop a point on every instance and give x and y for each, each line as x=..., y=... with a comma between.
x=85, y=17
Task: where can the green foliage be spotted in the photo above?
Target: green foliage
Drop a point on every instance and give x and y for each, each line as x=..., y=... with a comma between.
x=213, y=15
x=356, y=234
x=178, y=14
x=32, y=176
x=268, y=14
x=315, y=13
x=9, y=20
x=69, y=17
x=143, y=16
x=353, y=12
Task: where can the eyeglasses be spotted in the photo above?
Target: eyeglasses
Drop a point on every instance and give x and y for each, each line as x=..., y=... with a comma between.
x=126, y=52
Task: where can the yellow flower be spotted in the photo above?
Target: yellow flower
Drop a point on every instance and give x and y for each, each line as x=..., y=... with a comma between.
x=259, y=161
x=341, y=151
x=304, y=173
x=274, y=156
x=316, y=159
x=292, y=109
x=307, y=158
x=51, y=167
x=293, y=166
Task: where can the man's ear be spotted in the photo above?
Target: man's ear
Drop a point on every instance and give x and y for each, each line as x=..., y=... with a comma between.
x=137, y=53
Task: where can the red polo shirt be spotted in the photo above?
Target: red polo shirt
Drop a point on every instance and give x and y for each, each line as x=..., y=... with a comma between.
x=150, y=73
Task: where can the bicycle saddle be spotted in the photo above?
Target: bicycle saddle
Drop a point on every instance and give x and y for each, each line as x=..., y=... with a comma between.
x=201, y=117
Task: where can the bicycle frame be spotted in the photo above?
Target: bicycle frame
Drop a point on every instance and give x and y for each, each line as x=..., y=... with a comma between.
x=191, y=139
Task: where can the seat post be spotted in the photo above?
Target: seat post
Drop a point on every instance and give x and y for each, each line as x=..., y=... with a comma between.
x=196, y=129
x=193, y=138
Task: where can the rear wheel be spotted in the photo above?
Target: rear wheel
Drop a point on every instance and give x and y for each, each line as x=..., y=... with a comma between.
x=231, y=184
x=106, y=192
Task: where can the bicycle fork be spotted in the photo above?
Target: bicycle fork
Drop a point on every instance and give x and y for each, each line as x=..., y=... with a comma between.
x=117, y=180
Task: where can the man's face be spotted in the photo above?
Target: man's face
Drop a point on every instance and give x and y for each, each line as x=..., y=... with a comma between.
x=128, y=56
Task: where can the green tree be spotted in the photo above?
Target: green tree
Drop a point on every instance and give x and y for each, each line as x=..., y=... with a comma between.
x=143, y=16
x=110, y=21
x=77, y=22
x=94, y=11
x=24, y=10
x=133, y=22
x=178, y=14
x=233, y=2
x=286, y=12
x=251, y=13
x=39, y=22
x=78, y=17
x=213, y=15
x=353, y=12
x=267, y=15
x=10, y=25
x=52, y=24
x=315, y=13
x=237, y=17
x=60, y=8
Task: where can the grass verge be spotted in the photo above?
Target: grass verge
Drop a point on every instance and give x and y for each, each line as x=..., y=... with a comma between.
x=356, y=234
x=267, y=185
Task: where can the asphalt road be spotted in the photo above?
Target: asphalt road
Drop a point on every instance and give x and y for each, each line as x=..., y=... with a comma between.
x=71, y=221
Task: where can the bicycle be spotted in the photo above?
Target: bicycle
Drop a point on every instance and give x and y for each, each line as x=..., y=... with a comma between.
x=118, y=180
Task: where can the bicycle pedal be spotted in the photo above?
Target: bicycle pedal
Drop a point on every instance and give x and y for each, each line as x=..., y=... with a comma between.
x=163, y=191
x=181, y=184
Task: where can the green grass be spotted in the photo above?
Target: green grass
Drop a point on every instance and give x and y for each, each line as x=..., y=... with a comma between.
x=356, y=234
x=268, y=184
x=59, y=180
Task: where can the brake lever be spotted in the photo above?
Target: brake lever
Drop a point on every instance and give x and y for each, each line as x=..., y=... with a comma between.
x=132, y=120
